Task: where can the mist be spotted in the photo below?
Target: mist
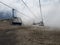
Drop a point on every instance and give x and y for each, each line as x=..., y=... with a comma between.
x=50, y=11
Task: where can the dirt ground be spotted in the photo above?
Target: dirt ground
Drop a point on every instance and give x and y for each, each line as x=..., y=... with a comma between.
x=17, y=35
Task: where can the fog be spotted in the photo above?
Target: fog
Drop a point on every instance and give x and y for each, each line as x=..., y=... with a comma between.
x=50, y=11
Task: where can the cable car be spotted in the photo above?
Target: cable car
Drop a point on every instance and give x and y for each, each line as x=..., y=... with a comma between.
x=16, y=21
x=40, y=23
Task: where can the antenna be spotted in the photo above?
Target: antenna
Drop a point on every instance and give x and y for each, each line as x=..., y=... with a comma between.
x=42, y=23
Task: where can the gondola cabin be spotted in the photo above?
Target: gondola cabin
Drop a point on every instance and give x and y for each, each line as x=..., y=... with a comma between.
x=16, y=21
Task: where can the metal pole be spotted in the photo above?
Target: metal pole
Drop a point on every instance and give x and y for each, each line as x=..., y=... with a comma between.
x=41, y=13
x=12, y=16
x=13, y=13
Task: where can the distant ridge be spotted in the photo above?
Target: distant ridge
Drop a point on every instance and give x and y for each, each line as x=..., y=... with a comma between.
x=5, y=15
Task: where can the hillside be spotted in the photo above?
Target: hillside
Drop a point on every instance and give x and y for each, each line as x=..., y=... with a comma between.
x=33, y=35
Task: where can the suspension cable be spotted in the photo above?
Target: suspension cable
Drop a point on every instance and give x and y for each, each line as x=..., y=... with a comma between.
x=15, y=9
x=28, y=8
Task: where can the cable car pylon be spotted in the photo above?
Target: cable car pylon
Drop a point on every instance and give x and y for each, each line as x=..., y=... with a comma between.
x=41, y=22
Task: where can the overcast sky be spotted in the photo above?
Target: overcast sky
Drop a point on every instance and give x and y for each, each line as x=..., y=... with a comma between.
x=50, y=10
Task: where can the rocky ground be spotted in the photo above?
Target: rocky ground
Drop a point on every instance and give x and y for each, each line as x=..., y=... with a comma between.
x=34, y=35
